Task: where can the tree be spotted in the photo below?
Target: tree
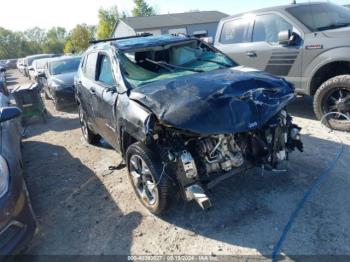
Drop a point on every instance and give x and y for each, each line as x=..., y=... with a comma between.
x=55, y=40
x=79, y=39
x=142, y=9
x=107, y=21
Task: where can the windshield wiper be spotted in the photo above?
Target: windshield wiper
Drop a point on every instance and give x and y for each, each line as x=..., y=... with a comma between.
x=333, y=26
x=215, y=62
x=165, y=64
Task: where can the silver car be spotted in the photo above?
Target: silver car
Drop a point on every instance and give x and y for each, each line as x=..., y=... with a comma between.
x=308, y=44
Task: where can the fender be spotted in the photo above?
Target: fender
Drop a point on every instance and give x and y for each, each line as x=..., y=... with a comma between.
x=136, y=120
x=329, y=56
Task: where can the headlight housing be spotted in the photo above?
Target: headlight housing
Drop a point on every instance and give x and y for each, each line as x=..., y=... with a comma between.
x=4, y=177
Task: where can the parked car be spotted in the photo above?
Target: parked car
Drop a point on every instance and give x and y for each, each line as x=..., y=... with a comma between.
x=20, y=65
x=37, y=68
x=30, y=59
x=58, y=80
x=183, y=115
x=3, y=84
x=11, y=63
x=17, y=221
x=308, y=44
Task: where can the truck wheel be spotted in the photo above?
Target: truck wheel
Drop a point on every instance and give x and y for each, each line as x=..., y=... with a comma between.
x=88, y=135
x=152, y=186
x=334, y=96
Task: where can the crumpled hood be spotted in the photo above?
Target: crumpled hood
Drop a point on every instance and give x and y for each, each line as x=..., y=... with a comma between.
x=223, y=101
x=64, y=80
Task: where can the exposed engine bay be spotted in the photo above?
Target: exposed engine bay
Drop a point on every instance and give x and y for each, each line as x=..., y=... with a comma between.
x=198, y=161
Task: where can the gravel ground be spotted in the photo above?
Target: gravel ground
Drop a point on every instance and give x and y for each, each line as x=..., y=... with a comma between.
x=85, y=209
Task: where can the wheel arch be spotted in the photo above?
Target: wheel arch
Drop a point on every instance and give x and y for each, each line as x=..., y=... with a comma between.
x=325, y=66
x=328, y=71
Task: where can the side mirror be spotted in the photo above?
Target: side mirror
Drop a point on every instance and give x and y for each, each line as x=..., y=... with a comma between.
x=287, y=37
x=8, y=113
x=2, y=69
x=284, y=37
x=31, y=68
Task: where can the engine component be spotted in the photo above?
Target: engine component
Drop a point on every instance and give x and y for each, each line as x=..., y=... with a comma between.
x=220, y=153
x=188, y=164
x=196, y=192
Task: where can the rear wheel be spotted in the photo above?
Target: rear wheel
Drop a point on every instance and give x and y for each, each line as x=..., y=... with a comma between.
x=147, y=175
x=334, y=96
x=88, y=135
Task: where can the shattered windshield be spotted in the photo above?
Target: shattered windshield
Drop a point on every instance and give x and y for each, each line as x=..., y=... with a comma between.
x=158, y=63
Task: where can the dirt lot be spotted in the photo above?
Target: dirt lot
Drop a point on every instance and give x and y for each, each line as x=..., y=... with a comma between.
x=83, y=208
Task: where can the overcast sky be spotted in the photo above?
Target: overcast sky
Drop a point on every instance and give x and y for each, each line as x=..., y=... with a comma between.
x=24, y=14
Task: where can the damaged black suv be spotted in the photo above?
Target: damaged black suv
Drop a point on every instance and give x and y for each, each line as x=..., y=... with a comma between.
x=183, y=115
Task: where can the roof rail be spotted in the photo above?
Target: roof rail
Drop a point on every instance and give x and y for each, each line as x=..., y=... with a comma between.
x=119, y=38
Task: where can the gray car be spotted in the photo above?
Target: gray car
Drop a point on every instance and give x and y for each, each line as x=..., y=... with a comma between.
x=17, y=220
x=308, y=44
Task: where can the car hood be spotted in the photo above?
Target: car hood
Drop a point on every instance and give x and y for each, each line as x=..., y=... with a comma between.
x=63, y=79
x=223, y=101
x=343, y=32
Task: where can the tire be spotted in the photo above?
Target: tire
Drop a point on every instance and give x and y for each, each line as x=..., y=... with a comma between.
x=88, y=135
x=161, y=184
x=334, y=96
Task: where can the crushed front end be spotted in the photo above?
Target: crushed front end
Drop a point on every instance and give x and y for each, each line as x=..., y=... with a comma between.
x=200, y=162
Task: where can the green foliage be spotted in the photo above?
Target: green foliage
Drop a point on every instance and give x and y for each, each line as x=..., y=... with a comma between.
x=79, y=38
x=57, y=40
x=107, y=21
x=142, y=9
x=16, y=44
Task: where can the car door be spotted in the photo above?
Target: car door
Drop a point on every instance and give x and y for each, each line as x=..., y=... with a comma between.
x=265, y=53
x=44, y=79
x=86, y=85
x=104, y=99
x=233, y=39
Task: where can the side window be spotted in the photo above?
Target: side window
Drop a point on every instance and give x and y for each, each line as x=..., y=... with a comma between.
x=90, y=66
x=234, y=31
x=105, y=74
x=267, y=27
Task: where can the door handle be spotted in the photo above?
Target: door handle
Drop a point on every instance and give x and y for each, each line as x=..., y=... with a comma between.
x=251, y=54
x=92, y=91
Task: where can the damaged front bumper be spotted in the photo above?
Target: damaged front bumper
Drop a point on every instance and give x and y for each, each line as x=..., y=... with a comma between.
x=203, y=162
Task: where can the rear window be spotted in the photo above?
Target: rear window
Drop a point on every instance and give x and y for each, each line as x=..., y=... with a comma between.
x=234, y=31
x=90, y=65
x=318, y=17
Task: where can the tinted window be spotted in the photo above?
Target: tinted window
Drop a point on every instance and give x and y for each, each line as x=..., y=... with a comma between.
x=267, y=28
x=105, y=71
x=90, y=65
x=321, y=16
x=64, y=66
x=234, y=31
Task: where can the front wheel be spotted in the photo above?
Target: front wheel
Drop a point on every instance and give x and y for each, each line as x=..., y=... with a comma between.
x=147, y=175
x=88, y=135
x=334, y=96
